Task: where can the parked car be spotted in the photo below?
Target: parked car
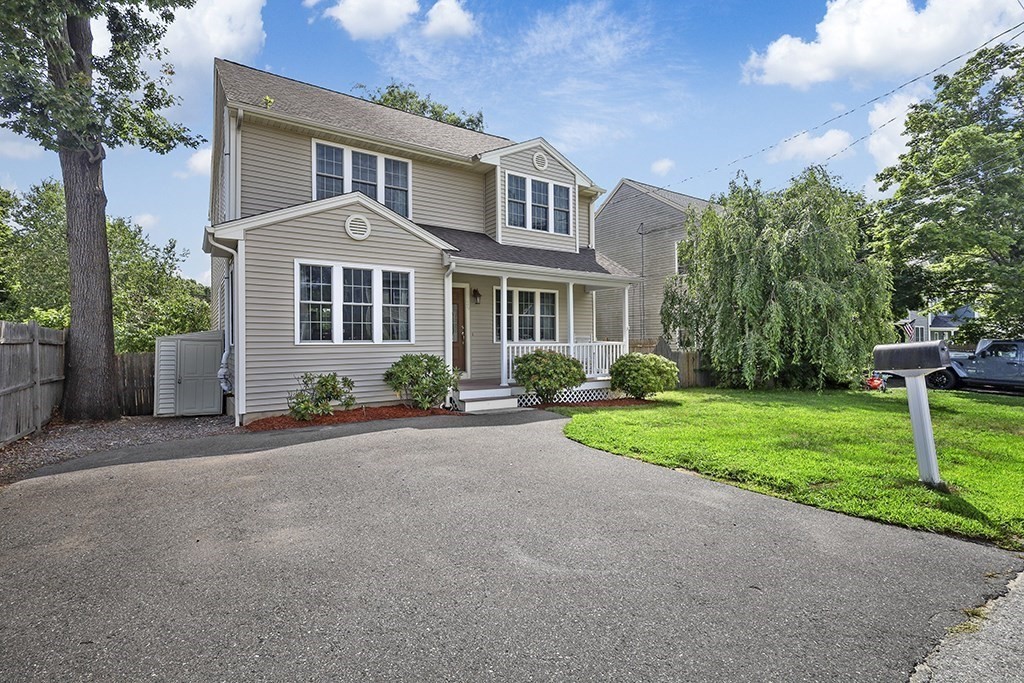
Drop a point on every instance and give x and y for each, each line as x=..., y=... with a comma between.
x=994, y=362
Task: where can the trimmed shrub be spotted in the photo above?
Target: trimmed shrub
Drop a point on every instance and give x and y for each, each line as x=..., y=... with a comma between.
x=421, y=380
x=548, y=372
x=643, y=374
x=317, y=394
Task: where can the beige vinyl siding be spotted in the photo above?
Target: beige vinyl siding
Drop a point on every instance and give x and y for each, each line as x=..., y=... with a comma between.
x=273, y=359
x=277, y=168
x=484, y=352
x=447, y=196
x=616, y=237
x=521, y=163
x=583, y=219
x=166, y=374
x=490, y=205
x=218, y=266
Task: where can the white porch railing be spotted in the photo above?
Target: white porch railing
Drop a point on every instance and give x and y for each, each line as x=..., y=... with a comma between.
x=597, y=357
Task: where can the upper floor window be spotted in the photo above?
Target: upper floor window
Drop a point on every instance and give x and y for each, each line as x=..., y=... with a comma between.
x=338, y=170
x=547, y=205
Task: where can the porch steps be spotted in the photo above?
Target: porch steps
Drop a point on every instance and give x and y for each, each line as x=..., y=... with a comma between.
x=484, y=400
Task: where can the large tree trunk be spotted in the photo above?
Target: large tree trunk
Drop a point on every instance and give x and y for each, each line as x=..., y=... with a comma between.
x=90, y=374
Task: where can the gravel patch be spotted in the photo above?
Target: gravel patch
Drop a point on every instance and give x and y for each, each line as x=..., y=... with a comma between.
x=60, y=441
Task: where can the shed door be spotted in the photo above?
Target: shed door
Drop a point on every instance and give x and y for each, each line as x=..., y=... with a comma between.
x=198, y=387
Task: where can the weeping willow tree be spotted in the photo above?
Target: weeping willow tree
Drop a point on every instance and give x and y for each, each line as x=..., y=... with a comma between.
x=781, y=288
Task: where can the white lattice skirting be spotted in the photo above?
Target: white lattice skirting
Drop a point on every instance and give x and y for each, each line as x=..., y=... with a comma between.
x=569, y=396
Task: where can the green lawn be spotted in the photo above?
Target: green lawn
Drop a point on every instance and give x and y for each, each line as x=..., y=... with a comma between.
x=849, y=451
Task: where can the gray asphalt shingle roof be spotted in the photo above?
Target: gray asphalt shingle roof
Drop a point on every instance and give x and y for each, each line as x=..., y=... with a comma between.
x=246, y=85
x=478, y=246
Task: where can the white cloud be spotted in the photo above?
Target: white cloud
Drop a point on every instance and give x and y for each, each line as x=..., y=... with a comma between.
x=146, y=221
x=198, y=164
x=882, y=38
x=584, y=32
x=372, y=19
x=8, y=183
x=810, y=149
x=204, y=277
x=662, y=167
x=449, y=19
x=577, y=134
x=231, y=29
x=310, y=3
x=13, y=146
x=887, y=119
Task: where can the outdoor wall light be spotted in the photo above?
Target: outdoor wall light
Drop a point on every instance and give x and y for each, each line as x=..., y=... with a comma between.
x=476, y=295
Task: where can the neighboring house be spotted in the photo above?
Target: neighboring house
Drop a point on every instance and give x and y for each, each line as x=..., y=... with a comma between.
x=640, y=227
x=345, y=234
x=936, y=326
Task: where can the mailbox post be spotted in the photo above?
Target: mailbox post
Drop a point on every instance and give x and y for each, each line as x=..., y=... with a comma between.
x=913, y=362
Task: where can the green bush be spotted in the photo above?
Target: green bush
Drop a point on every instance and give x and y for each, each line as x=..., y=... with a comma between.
x=643, y=374
x=317, y=393
x=421, y=379
x=548, y=372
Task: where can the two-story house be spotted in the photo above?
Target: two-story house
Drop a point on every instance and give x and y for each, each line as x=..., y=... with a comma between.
x=344, y=234
x=640, y=227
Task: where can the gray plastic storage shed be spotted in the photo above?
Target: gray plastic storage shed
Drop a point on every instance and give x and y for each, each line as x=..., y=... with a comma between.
x=186, y=374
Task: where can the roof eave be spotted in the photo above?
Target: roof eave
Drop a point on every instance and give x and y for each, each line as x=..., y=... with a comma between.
x=262, y=112
x=483, y=267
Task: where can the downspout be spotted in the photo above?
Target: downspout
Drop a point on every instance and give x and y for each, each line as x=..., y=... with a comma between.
x=222, y=373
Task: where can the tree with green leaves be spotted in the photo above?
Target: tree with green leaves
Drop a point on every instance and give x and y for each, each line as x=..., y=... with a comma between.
x=404, y=96
x=957, y=212
x=781, y=288
x=149, y=297
x=55, y=90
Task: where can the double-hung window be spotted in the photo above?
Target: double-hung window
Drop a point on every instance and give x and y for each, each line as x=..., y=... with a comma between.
x=516, y=201
x=316, y=303
x=357, y=304
x=330, y=171
x=376, y=304
x=396, y=305
x=338, y=170
x=538, y=204
x=532, y=315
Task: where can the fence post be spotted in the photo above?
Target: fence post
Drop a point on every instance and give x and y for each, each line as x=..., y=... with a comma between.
x=37, y=387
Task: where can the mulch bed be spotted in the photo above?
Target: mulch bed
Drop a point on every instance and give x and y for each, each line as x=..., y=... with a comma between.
x=605, y=403
x=345, y=417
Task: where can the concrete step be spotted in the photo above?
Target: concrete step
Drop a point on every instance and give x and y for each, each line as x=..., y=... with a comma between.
x=485, y=405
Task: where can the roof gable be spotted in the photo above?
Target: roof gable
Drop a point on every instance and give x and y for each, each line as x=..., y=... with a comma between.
x=494, y=157
x=236, y=229
x=676, y=200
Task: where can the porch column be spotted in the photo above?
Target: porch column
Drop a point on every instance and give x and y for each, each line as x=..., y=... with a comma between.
x=504, y=330
x=572, y=322
x=448, y=317
x=625, y=320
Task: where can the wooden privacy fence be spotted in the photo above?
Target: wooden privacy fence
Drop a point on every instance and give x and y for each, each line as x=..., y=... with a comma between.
x=31, y=377
x=135, y=383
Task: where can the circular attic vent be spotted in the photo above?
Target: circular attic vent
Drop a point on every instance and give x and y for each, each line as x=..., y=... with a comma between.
x=540, y=161
x=357, y=227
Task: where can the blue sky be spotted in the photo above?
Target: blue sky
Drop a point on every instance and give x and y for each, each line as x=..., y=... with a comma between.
x=660, y=91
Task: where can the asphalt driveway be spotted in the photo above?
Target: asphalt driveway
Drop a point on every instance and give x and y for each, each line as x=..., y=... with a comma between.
x=461, y=549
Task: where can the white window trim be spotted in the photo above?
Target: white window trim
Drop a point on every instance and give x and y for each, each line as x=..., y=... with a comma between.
x=529, y=206
x=514, y=294
x=336, y=303
x=347, y=169
x=675, y=254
